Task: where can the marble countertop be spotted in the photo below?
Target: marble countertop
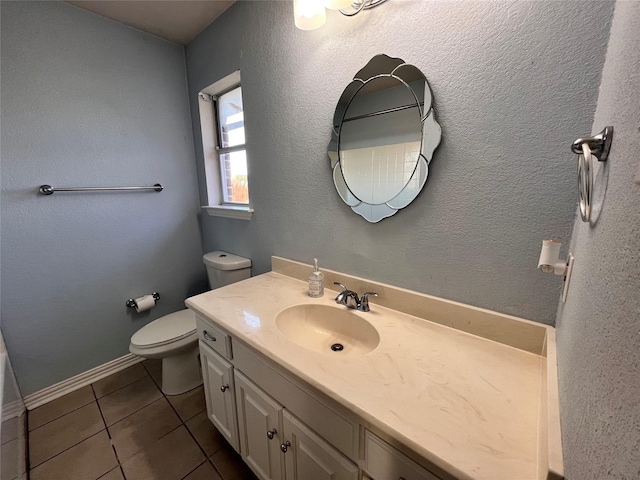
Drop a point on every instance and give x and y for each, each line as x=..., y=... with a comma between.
x=465, y=403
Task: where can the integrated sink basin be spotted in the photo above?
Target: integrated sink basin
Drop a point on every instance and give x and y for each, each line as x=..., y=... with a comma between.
x=326, y=329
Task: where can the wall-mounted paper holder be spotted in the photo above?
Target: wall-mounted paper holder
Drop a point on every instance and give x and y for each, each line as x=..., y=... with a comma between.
x=598, y=145
x=550, y=262
x=135, y=302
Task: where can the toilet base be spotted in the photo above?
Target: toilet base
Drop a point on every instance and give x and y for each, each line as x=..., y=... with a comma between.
x=181, y=372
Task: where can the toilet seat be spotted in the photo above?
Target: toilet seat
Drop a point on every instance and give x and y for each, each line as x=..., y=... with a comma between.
x=166, y=330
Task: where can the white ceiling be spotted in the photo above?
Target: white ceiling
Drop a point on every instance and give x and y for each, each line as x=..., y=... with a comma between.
x=175, y=20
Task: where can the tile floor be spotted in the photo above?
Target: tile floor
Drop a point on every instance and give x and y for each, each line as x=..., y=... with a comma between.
x=123, y=427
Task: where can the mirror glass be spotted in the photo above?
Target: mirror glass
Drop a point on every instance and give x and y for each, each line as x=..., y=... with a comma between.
x=384, y=135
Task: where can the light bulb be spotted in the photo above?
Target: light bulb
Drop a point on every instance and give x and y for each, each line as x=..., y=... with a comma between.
x=337, y=4
x=309, y=14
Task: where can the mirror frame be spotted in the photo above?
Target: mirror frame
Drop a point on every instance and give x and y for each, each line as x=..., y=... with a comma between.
x=379, y=67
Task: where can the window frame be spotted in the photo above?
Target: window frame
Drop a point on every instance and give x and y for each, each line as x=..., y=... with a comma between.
x=212, y=150
x=224, y=150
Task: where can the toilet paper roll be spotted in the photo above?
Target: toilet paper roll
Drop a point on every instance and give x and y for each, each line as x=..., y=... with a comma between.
x=144, y=303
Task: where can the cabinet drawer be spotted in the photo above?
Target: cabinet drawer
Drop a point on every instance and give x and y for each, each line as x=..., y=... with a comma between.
x=384, y=462
x=213, y=337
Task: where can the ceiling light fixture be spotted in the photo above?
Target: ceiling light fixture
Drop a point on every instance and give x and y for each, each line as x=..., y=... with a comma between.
x=310, y=14
x=358, y=5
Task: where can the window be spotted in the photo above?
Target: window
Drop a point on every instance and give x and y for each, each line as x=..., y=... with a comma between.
x=231, y=149
x=224, y=147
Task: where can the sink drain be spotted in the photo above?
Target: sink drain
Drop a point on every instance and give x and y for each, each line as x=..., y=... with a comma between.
x=337, y=347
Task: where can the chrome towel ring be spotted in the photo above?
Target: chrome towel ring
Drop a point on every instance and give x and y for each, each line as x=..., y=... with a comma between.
x=598, y=145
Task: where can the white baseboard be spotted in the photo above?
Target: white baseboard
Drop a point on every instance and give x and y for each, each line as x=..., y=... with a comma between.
x=59, y=389
x=12, y=410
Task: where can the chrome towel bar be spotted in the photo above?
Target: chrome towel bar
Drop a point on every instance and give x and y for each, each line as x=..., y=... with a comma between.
x=49, y=190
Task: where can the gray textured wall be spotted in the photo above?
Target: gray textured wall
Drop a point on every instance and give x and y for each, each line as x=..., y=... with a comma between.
x=89, y=102
x=599, y=326
x=511, y=92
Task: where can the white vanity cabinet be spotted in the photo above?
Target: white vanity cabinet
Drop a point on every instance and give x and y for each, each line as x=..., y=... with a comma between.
x=282, y=429
x=393, y=401
x=219, y=392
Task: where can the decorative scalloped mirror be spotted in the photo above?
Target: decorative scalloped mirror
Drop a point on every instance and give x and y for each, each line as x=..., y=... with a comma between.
x=383, y=139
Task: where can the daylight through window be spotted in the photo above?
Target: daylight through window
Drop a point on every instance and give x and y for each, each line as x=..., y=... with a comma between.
x=231, y=146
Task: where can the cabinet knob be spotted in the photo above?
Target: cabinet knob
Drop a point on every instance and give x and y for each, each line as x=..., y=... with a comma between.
x=224, y=388
x=285, y=446
x=208, y=337
x=271, y=433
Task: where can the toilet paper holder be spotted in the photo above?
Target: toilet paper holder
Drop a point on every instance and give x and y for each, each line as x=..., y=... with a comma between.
x=131, y=303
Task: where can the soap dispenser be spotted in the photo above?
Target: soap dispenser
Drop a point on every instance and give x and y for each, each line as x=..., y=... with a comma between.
x=316, y=281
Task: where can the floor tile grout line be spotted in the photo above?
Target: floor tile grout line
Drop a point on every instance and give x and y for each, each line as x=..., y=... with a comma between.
x=184, y=422
x=150, y=445
x=95, y=396
x=26, y=444
x=113, y=447
x=123, y=461
x=122, y=386
x=104, y=421
x=115, y=454
x=215, y=467
x=132, y=414
x=197, y=467
x=147, y=368
x=119, y=462
x=180, y=424
x=176, y=410
x=29, y=466
x=135, y=411
x=107, y=473
x=196, y=440
x=149, y=373
x=66, y=449
x=54, y=419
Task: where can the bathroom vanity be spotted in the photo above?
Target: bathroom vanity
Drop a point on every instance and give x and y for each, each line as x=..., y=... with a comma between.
x=422, y=388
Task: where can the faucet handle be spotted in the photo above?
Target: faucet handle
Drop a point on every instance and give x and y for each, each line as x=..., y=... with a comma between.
x=363, y=305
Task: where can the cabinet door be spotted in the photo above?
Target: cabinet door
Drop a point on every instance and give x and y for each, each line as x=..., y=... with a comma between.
x=217, y=376
x=309, y=457
x=260, y=429
x=384, y=462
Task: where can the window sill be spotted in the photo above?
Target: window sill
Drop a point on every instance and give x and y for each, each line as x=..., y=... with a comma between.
x=229, y=211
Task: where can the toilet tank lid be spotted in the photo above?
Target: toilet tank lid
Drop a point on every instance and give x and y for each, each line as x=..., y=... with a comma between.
x=226, y=261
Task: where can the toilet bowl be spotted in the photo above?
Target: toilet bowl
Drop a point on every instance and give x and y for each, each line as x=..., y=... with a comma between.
x=173, y=338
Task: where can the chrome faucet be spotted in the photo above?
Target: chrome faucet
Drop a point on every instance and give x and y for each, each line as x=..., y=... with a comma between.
x=350, y=299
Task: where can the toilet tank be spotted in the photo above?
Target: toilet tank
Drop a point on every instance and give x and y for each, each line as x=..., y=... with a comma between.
x=224, y=268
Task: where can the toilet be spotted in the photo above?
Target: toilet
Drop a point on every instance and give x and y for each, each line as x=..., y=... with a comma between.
x=173, y=338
